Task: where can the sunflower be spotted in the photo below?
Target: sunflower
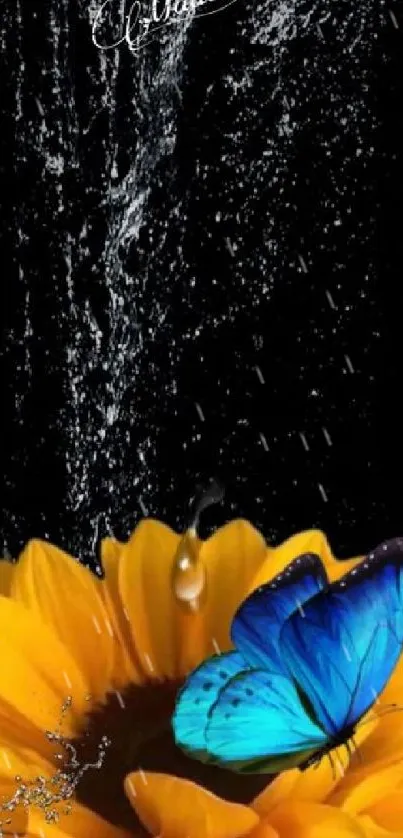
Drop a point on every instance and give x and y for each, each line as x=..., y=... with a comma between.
x=90, y=669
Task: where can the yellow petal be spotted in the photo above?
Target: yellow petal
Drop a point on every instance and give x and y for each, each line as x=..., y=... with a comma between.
x=373, y=830
x=232, y=557
x=18, y=762
x=314, y=820
x=316, y=783
x=111, y=550
x=145, y=570
x=263, y=830
x=363, y=789
x=21, y=761
x=280, y=789
x=227, y=561
x=383, y=746
x=174, y=808
x=12, y=822
x=393, y=692
x=169, y=640
x=80, y=823
x=37, y=672
x=388, y=812
x=6, y=574
x=310, y=541
x=18, y=732
x=66, y=596
x=125, y=667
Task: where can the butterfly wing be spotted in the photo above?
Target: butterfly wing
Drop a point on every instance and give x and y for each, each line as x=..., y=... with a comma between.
x=198, y=695
x=255, y=630
x=342, y=648
x=258, y=723
x=256, y=626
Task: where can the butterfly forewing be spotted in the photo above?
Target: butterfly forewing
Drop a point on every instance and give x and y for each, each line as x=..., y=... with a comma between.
x=344, y=645
x=256, y=626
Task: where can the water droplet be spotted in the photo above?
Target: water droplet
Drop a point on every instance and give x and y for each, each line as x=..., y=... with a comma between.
x=189, y=574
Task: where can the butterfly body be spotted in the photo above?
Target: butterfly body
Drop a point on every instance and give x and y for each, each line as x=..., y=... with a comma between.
x=343, y=738
x=311, y=658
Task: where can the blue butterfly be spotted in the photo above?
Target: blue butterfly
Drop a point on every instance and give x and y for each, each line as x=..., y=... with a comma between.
x=310, y=661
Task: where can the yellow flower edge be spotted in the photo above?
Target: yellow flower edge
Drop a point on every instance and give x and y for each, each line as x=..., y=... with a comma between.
x=129, y=628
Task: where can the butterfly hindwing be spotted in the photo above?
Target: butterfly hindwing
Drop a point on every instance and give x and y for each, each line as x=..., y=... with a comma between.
x=256, y=626
x=258, y=716
x=197, y=696
x=343, y=645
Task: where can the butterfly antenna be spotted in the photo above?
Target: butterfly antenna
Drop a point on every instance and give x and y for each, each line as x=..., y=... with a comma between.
x=392, y=708
x=384, y=711
x=388, y=709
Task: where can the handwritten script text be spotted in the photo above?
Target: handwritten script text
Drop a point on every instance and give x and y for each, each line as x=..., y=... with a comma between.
x=117, y=23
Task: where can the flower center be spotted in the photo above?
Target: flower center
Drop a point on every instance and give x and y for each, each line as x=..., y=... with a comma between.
x=138, y=724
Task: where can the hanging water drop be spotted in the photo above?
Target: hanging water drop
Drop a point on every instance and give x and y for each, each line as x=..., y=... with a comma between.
x=189, y=577
x=189, y=574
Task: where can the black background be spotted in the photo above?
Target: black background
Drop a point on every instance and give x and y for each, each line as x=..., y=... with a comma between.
x=323, y=330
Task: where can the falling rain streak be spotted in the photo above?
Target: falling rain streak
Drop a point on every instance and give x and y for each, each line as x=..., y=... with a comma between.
x=304, y=441
x=216, y=646
x=331, y=301
x=264, y=441
x=178, y=245
x=322, y=492
x=303, y=263
x=142, y=506
x=230, y=247
x=120, y=699
x=259, y=374
x=393, y=19
x=349, y=364
x=199, y=411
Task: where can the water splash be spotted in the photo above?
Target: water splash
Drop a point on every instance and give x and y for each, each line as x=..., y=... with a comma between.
x=125, y=263
x=54, y=795
x=114, y=354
